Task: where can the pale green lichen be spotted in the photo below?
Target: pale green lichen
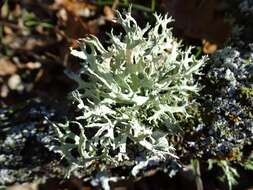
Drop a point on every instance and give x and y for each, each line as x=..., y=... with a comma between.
x=230, y=173
x=131, y=96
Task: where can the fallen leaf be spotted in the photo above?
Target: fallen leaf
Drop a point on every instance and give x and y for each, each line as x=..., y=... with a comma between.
x=78, y=8
x=4, y=91
x=29, y=65
x=4, y=9
x=7, y=67
x=199, y=19
x=25, y=186
x=8, y=30
x=109, y=13
x=208, y=47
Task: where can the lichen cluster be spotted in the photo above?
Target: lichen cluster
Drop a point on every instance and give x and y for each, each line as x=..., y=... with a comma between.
x=129, y=96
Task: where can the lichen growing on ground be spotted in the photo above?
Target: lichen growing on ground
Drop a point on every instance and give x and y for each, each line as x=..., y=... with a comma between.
x=130, y=96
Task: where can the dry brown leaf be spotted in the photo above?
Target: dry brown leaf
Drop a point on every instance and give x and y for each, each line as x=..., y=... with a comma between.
x=29, y=65
x=71, y=13
x=4, y=91
x=208, y=47
x=18, y=11
x=8, y=30
x=199, y=19
x=25, y=186
x=109, y=13
x=77, y=8
x=7, y=67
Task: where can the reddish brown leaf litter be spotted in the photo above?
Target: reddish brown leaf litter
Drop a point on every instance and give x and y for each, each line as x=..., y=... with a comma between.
x=199, y=19
x=40, y=54
x=7, y=67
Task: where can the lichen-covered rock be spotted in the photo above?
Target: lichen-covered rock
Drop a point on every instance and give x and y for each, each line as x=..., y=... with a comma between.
x=223, y=121
x=24, y=139
x=225, y=106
